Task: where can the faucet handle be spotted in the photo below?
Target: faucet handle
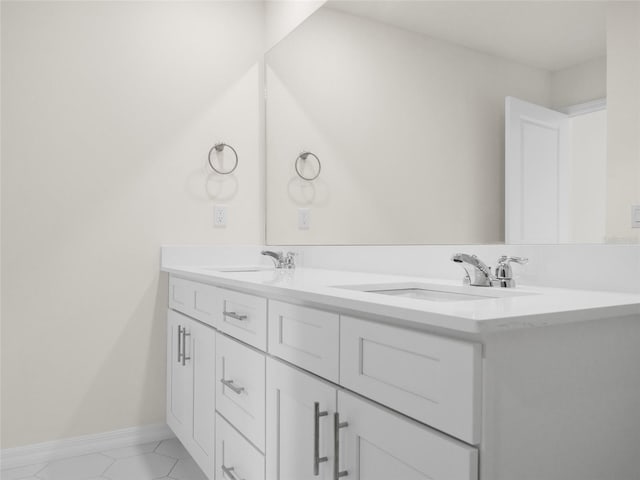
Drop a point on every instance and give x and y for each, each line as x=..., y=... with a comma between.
x=504, y=259
x=504, y=273
x=290, y=260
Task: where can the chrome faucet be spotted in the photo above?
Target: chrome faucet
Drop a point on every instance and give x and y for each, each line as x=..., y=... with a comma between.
x=479, y=274
x=280, y=259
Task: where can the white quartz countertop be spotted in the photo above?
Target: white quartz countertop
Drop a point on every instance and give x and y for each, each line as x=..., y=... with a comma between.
x=519, y=307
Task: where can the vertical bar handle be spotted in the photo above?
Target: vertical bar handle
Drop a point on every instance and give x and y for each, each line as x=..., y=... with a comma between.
x=317, y=459
x=337, y=474
x=185, y=334
x=179, y=343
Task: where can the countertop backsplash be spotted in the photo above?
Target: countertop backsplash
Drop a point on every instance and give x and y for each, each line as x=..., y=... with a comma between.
x=613, y=268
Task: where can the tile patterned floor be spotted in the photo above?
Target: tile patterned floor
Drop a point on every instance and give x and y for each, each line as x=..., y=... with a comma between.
x=166, y=460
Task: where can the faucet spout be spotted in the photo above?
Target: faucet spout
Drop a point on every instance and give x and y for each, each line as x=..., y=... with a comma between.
x=477, y=272
x=280, y=260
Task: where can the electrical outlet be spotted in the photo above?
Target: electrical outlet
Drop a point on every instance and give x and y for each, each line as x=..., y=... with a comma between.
x=304, y=218
x=220, y=216
x=635, y=216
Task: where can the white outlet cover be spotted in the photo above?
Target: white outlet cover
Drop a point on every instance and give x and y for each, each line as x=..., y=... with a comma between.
x=220, y=216
x=304, y=218
x=635, y=216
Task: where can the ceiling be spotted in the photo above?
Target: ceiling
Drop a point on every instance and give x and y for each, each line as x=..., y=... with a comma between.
x=545, y=34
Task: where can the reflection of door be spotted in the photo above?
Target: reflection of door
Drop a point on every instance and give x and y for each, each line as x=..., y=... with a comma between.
x=537, y=186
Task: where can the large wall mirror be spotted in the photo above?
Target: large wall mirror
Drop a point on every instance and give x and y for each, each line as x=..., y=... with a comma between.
x=445, y=122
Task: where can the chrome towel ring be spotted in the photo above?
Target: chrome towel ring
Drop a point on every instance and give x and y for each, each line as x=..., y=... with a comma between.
x=219, y=147
x=303, y=156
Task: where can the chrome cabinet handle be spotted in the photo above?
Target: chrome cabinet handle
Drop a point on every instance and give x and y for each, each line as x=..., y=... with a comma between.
x=229, y=383
x=317, y=459
x=229, y=472
x=179, y=343
x=234, y=315
x=337, y=474
x=185, y=334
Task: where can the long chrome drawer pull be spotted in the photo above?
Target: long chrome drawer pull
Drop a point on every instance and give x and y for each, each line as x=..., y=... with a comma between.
x=232, y=386
x=234, y=315
x=179, y=343
x=185, y=334
x=229, y=472
x=337, y=474
x=317, y=459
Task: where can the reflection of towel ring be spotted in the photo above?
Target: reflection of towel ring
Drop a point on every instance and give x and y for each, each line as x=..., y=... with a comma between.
x=219, y=147
x=304, y=156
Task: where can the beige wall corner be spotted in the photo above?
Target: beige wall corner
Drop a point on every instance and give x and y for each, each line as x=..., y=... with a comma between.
x=109, y=110
x=581, y=83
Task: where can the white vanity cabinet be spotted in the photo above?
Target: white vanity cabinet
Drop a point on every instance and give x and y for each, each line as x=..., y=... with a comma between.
x=191, y=386
x=285, y=413
x=497, y=389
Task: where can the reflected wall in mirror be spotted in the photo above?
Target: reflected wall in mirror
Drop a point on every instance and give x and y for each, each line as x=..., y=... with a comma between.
x=404, y=105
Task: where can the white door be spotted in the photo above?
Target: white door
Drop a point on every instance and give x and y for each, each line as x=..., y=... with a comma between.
x=537, y=163
x=201, y=358
x=294, y=425
x=179, y=378
x=376, y=444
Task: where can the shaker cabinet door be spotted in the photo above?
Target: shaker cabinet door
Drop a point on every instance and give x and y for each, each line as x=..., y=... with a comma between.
x=191, y=387
x=299, y=435
x=378, y=444
x=179, y=379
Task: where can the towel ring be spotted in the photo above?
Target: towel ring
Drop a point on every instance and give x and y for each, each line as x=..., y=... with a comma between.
x=219, y=147
x=304, y=156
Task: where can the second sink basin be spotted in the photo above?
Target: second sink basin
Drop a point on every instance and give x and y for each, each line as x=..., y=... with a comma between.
x=436, y=293
x=431, y=295
x=240, y=268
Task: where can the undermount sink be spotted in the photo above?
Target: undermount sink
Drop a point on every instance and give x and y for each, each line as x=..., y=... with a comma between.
x=431, y=295
x=436, y=293
x=240, y=268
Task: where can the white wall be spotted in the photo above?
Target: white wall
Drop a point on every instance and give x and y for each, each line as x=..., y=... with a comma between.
x=623, y=119
x=588, y=196
x=409, y=129
x=580, y=83
x=109, y=110
x=283, y=16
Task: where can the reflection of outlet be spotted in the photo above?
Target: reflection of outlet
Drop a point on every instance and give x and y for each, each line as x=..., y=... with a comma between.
x=304, y=218
x=635, y=216
x=220, y=216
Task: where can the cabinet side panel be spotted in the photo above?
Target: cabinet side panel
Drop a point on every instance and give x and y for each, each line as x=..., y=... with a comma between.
x=562, y=402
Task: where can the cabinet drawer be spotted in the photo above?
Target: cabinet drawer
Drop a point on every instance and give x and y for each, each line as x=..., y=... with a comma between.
x=206, y=303
x=244, y=317
x=380, y=445
x=235, y=455
x=195, y=299
x=305, y=337
x=240, y=388
x=433, y=379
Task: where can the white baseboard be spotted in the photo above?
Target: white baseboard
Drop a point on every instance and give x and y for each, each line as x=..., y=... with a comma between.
x=70, y=447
